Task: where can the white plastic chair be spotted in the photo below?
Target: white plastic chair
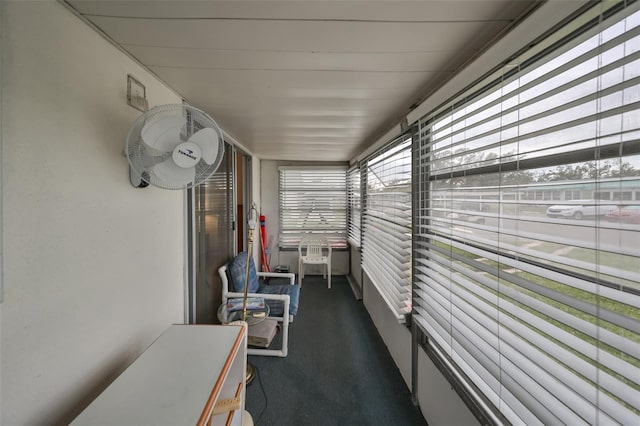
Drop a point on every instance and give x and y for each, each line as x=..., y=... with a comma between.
x=311, y=251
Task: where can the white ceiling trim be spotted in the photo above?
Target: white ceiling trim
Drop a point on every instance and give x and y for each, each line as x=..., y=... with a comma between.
x=344, y=10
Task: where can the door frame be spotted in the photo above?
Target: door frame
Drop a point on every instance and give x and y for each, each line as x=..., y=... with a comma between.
x=190, y=240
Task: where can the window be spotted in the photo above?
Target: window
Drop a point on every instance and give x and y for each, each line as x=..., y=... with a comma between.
x=622, y=195
x=313, y=200
x=355, y=206
x=572, y=195
x=386, y=239
x=535, y=305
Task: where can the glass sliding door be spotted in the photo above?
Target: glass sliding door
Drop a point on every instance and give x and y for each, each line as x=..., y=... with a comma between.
x=214, y=238
x=217, y=230
x=242, y=176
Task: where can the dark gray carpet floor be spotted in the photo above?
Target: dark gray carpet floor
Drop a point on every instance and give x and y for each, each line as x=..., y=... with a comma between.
x=338, y=371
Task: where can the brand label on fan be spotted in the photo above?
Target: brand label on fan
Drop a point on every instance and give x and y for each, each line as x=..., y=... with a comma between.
x=187, y=154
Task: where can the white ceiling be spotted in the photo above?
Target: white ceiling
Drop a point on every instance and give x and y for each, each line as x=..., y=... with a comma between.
x=304, y=80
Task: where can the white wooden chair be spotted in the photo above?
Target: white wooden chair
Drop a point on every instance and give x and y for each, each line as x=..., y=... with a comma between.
x=314, y=250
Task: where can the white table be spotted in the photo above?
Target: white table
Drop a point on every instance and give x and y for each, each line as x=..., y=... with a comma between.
x=192, y=374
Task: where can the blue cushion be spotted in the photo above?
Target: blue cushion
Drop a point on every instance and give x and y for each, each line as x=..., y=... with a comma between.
x=276, y=307
x=237, y=271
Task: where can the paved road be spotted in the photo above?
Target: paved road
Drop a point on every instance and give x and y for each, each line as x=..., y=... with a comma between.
x=566, y=233
x=578, y=232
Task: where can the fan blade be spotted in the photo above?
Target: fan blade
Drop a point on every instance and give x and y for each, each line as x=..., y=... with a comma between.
x=174, y=175
x=207, y=140
x=163, y=134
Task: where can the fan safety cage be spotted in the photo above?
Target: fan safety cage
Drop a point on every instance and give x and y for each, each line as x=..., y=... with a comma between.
x=144, y=159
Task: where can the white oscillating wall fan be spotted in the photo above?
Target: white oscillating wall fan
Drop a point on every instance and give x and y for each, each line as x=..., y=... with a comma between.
x=173, y=147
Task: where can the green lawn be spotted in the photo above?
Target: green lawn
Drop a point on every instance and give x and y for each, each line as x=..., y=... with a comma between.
x=593, y=299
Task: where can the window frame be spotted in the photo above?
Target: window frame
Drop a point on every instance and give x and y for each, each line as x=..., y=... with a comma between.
x=296, y=185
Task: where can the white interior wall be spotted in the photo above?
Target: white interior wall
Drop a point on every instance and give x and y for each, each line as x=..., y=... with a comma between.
x=93, y=267
x=396, y=336
x=439, y=403
x=356, y=268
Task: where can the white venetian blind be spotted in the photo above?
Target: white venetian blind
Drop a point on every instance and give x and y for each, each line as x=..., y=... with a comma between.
x=313, y=200
x=527, y=247
x=386, y=238
x=354, y=197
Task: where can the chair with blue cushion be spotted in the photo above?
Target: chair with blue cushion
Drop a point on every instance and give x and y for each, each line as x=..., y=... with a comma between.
x=282, y=298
